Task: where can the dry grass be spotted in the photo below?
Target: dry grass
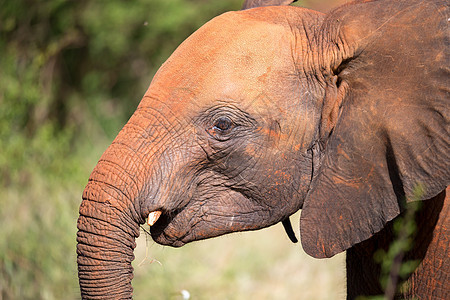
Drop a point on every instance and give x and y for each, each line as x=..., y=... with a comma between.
x=253, y=265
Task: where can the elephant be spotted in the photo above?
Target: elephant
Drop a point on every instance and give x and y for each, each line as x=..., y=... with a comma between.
x=272, y=109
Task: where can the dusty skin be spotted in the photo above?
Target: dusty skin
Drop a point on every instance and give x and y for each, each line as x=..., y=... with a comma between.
x=269, y=110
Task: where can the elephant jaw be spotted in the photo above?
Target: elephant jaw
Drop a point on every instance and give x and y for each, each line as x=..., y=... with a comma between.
x=154, y=216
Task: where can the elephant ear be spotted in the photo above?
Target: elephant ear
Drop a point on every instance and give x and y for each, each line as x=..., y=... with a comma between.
x=391, y=133
x=258, y=3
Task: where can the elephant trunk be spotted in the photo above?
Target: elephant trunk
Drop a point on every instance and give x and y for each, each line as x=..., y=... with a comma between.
x=118, y=197
x=106, y=240
x=107, y=227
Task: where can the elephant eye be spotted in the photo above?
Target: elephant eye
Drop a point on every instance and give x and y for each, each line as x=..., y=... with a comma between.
x=221, y=128
x=223, y=124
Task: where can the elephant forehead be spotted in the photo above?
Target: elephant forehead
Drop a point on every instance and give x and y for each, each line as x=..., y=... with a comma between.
x=232, y=56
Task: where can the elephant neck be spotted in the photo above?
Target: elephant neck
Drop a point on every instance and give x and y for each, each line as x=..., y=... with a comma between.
x=429, y=248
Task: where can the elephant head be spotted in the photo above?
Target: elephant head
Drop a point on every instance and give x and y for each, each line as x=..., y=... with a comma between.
x=266, y=111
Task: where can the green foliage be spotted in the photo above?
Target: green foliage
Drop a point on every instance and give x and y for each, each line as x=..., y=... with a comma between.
x=393, y=265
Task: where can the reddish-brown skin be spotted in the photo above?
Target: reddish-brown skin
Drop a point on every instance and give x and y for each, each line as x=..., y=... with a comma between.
x=269, y=110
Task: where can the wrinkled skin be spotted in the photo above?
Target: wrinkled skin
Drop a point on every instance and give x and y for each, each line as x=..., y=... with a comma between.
x=265, y=111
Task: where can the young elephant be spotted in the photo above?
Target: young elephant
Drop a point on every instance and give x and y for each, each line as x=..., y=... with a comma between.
x=270, y=110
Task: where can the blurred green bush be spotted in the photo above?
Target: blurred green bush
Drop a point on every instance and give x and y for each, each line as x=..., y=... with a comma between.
x=71, y=74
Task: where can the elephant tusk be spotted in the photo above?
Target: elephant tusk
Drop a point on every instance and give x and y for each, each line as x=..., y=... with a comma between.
x=288, y=228
x=153, y=217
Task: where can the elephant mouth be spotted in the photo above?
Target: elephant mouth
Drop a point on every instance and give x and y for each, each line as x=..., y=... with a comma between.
x=179, y=227
x=230, y=211
x=161, y=230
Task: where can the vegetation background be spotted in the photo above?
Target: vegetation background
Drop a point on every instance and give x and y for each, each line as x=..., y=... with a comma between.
x=71, y=74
